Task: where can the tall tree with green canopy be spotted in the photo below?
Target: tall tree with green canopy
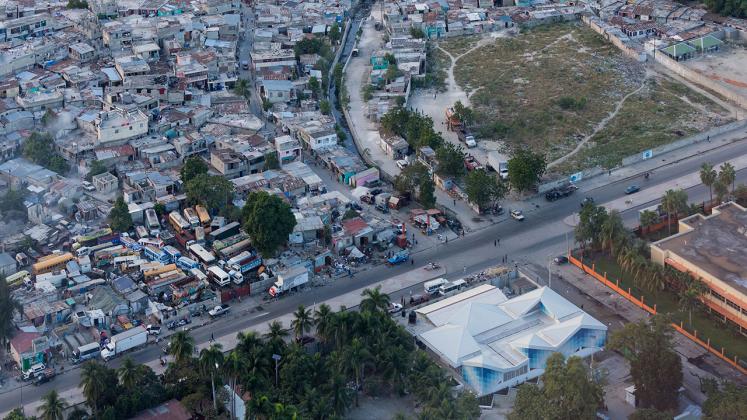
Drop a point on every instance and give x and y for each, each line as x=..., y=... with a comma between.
x=708, y=177
x=314, y=86
x=97, y=168
x=655, y=367
x=334, y=33
x=268, y=220
x=193, y=166
x=525, y=168
x=100, y=386
x=302, y=321
x=242, y=88
x=648, y=218
x=568, y=393
x=612, y=232
x=450, y=160
x=483, y=188
x=427, y=191
x=182, y=347
x=374, y=300
x=8, y=307
x=40, y=149
x=727, y=175
x=590, y=221
x=212, y=191
x=725, y=402
x=410, y=178
x=119, y=216
x=673, y=202
x=128, y=374
x=53, y=406
x=465, y=114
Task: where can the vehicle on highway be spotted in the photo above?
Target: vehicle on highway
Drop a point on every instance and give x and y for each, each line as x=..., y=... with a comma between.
x=219, y=310
x=394, y=307
x=587, y=200
x=33, y=371
x=122, y=342
x=560, y=259
x=632, y=189
x=398, y=258
x=44, y=376
x=517, y=215
x=561, y=192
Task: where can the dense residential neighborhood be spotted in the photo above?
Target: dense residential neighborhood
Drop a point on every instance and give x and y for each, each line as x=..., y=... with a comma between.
x=453, y=209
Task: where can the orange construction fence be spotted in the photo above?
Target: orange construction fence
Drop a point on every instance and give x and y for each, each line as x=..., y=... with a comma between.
x=720, y=353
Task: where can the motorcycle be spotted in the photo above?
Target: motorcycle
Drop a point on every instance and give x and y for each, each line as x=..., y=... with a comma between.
x=432, y=266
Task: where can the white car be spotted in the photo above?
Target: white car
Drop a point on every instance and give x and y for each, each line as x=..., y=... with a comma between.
x=219, y=310
x=394, y=308
x=503, y=173
x=153, y=329
x=517, y=215
x=33, y=371
x=88, y=186
x=402, y=164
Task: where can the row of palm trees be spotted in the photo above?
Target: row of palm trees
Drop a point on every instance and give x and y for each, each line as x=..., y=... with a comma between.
x=608, y=232
x=719, y=181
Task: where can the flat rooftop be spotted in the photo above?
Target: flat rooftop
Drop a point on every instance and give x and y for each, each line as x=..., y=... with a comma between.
x=717, y=244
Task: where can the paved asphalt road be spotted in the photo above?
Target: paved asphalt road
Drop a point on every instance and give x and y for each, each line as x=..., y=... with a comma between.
x=542, y=234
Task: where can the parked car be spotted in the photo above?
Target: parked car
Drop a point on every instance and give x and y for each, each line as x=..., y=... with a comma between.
x=517, y=215
x=33, y=371
x=399, y=257
x=560, y=259
x=45, y=376
x=219, y=310
x=153, y=329
x=394, y=307
x=88, y=186
x=402, y=164
x=587, y=200
x=418, y=299
x=632, y=189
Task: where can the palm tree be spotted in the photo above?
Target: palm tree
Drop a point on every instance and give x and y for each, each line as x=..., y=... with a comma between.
x=242, y=88
x=248, y=341
x=324, y=320
x=395, y=365
x=52, y=407
x=78, y=413
x=128, y=374
x=374, y=300
x=233, y=367
x=302, y=321
x=708, y=177
x=612, y=231
x=182, y=347
x=93, y=384
x=210, y=360
x=339, y=394
x=8, y=306
x=354, y=359
x=690, y=297
x=673, y=202
x=727, y=175
x=276, y=336
x=722, y=190
x=648, y=218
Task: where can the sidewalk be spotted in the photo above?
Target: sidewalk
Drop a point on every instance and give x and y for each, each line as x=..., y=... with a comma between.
x=656, y=162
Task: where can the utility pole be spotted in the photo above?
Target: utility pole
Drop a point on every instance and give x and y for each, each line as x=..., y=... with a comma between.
x=276, y=358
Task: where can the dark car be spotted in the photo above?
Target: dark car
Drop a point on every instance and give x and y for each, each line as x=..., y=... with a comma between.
x=632, y=189
x=587, y=200
x=560, y=259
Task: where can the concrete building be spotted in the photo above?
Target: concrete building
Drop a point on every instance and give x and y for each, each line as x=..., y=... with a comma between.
x=7, y=264
x=713, y=249
x=105, y=183
x=25, y=26
x=114, y=127
x=288, y=149
x=496, y=342
x=229, y=163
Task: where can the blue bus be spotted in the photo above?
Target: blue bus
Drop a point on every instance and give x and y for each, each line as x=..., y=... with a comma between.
x=186, y=263
x=172, y=253
x=155, y=254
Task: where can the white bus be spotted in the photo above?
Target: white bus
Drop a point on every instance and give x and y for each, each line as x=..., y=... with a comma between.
x=432, y=286
x=451, y=286
x=151, y=219
x=87, y=352
x=201, y=254
x=220, y=277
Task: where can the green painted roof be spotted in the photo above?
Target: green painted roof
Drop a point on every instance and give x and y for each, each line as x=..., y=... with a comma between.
x=706, y=42
x=678, y=50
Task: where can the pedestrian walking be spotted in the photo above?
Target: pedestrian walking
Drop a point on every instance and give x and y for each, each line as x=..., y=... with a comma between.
x=455, y=201
x=499, y=241
x=495, y=243
x=610, y=172
x=709, y=139
x=412, y=262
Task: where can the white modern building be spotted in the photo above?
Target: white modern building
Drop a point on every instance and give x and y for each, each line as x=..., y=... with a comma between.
x=496, y=342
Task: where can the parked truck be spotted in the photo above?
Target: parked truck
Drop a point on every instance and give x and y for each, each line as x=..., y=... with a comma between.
x=124, y=341
x=498, y=164
x=466, y=137
x=289, y=280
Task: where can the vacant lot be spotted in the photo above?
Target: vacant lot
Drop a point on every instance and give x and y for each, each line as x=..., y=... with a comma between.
x=556, y=87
